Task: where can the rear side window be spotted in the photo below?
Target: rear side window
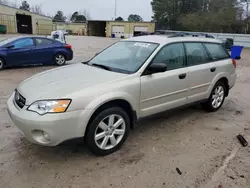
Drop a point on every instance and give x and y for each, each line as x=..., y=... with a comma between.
x=217, y=51
x=43, y=41
x=196, y=54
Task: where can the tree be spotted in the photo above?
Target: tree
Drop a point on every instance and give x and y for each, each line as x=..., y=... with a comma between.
x=119, y=19
x=59, y=17
x=25, y=6
x=135, y=18
x=196, y=15
x=37, y=9
x=85, y=13
x=73, y=17
x=77, y=18
x=4, y=2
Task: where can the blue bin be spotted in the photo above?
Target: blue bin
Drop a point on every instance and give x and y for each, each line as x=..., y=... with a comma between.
x=113, y=35
x=236, y=52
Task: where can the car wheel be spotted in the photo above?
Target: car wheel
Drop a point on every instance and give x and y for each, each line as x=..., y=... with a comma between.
x=216, y=98
x=108, y=131
x=1, y=64
x=60, y=59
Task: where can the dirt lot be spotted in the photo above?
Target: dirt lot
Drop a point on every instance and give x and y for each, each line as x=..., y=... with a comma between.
x=202, y=145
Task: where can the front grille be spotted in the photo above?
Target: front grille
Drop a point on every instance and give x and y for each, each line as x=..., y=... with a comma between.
x=19, y=99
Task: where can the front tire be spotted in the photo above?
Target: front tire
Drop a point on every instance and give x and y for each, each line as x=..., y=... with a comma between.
x=1, y=64
x=60, y=59
x=108, y=131
x=216, y=98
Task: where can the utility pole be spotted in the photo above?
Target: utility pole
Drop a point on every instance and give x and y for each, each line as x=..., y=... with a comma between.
x=247, y=2
x=115, y=7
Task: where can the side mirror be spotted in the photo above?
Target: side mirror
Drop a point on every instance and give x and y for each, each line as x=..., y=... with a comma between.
x=10, y=46
x=157, y=68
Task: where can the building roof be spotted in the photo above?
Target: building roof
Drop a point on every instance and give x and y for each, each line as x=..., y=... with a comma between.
x=25, y=11
x=119, y=21
x=163, y=39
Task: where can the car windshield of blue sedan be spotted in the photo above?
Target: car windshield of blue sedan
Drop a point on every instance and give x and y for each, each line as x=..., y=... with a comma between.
x=8, y=40
x=125, y=56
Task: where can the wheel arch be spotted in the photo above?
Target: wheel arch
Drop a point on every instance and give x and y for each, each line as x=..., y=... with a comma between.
x=60, y=52
x=122, y=103
x=226, y=82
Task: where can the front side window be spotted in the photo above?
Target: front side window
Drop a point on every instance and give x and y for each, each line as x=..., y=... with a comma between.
x=172, y=55
x=124, y=56
x=23, y=43
x=217, y=51
x=196, y=54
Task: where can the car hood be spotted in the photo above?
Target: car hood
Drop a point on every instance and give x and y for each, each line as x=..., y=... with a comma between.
x=60, y=82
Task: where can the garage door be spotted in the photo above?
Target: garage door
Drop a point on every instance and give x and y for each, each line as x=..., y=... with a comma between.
x=141, y=29
x=118, y=31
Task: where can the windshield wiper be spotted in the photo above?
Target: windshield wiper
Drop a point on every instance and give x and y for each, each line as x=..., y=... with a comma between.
x=101, y=66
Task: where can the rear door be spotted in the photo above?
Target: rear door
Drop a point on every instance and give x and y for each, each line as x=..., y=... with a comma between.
x=21, y=53
x=201, y=71
x=44, y=50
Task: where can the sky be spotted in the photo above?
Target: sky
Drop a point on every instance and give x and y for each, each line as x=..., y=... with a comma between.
x=97, y=9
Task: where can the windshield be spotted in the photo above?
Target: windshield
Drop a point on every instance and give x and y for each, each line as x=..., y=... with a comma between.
x=6, y=41
x=124, y=56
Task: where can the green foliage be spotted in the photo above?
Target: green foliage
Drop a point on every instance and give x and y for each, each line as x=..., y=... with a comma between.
x=119, y=19
x=198, y=15
x=77, y=18
x=25, y=6
x=59, y=17
x=135, y=18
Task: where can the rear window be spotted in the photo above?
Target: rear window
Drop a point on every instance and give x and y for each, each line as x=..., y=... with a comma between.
x=217, y=51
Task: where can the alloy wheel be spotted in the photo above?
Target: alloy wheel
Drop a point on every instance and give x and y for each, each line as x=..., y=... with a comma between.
x=110, y=132
x=60, y=59
x=218, y=96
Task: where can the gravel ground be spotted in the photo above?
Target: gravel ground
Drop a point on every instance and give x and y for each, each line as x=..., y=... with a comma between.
x=202, y=145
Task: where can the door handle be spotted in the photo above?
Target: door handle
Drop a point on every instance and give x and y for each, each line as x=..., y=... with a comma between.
x=182, y=76
x=213, y=69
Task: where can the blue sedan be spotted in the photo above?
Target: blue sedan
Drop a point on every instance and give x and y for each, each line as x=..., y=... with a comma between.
x=20, y=51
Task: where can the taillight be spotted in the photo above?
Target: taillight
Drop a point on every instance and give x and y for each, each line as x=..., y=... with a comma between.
x=234, y=62
x=67, y=46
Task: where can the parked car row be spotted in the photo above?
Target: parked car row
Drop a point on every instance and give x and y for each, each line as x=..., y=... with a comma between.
x=23, y=51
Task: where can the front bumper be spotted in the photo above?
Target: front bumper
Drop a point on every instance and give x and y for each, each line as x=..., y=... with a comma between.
x=60, y=127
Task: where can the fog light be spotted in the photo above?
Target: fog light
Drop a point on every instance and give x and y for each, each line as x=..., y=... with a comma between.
x=46, y=136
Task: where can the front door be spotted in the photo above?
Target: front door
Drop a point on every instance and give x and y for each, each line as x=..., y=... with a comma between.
x=201, y=71
x=21, y=52
x=167, y=90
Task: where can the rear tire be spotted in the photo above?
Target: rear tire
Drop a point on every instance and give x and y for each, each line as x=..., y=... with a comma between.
x=216, y=98
x=108, y=131
x=1, y=64
x=59, y=59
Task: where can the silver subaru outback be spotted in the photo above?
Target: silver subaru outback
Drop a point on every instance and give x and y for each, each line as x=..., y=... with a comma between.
x=100, y=100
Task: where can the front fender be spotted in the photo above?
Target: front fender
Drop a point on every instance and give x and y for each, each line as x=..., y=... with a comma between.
x=103, y=99
x=95, y=104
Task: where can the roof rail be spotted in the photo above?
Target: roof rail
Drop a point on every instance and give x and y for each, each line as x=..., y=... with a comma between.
x=190, y=35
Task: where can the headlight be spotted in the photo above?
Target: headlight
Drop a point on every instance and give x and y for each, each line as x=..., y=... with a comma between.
x=49, y=106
